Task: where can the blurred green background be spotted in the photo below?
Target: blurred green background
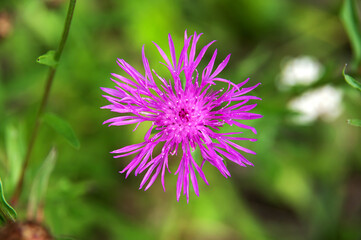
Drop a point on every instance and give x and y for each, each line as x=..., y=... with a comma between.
x=306, y=182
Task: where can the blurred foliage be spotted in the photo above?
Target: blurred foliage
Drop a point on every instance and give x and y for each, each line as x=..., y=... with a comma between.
x=62, y=128
x=40, y=184
x=306, y=183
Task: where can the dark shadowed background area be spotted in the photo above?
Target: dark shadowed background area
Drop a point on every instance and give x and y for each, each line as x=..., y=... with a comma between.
x=306, y=179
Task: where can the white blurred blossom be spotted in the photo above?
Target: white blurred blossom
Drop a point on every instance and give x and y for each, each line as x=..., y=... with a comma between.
x=323, y=102
x=302, y=70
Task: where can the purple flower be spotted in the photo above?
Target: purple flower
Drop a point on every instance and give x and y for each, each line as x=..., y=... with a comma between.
x=185, y=113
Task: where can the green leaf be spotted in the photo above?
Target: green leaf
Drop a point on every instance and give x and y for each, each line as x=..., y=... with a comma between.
x=40, y=184
x=15, y=145
x=352, y=25
x=62, y=127
x=48, y=59
x=7, y=213
x=350, y=80
x=354, y=122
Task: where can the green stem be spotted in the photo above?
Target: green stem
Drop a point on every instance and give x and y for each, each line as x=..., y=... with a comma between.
x=44, y=100
x=66, y=29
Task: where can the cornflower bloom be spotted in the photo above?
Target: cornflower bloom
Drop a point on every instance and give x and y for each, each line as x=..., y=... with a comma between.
x=183, y=113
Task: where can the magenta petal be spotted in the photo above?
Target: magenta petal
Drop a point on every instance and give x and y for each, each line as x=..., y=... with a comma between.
x=163, y=54
x=129, y=148
x=221, y=66
x=210, y=65
x=172, y=51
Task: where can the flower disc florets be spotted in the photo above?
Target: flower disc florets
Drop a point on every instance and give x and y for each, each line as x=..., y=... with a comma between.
x=184, y=113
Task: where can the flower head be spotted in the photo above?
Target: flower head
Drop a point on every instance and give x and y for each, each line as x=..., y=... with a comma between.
x=185, y=113
x=303, y=70
x=323, y=102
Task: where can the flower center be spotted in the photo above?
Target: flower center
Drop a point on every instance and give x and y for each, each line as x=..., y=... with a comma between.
x=183, y=114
